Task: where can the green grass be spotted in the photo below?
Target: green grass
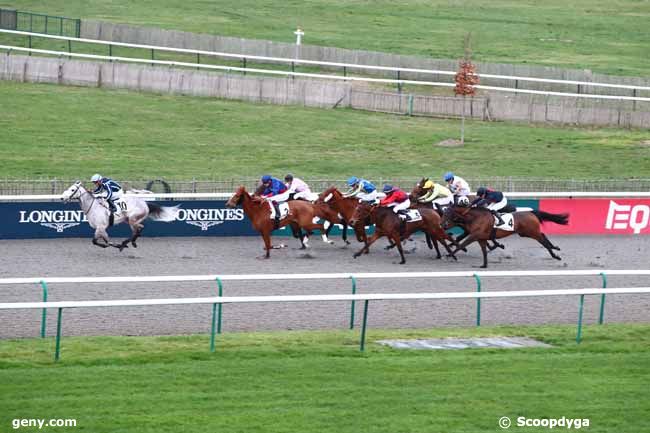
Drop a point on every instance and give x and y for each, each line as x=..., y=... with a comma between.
x=66, y=132
x=320, y=382
x=604, y=36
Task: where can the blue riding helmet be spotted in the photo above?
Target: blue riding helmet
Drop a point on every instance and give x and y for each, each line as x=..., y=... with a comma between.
x=481, y=191
x=388, y=188
x=353, y=181
x=449, y=176
x=266, y=178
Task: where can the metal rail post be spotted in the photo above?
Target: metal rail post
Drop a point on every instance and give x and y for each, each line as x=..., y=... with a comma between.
x=44, y=315
x=582, y=303
x=353, y=302
x=601, y=316
x=362, y=345
x=220, y=305
x=478, y=300
x=214, y=308
x=57, y=351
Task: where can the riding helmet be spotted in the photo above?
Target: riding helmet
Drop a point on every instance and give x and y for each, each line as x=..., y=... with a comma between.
x=481, y=191
x=96, y=177
x=353, y=181
x=449, y=176
x=388, y=188
x=288, y=177
x=428, y=184
x=266, y=178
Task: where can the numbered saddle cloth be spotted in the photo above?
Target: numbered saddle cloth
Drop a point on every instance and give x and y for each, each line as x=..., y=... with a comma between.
x=121, y=206
x=414, y=215
x=508, y=222
x=284, y=210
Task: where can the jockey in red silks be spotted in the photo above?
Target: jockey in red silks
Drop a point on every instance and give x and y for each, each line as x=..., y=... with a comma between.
x=397, y=199
x=275, y=192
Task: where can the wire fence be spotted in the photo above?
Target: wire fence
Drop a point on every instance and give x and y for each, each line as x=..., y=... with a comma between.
x=39, y=23
x=226, y=185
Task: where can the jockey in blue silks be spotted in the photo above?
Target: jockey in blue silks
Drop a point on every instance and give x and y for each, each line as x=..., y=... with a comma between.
x=108, y=189
x=275, y=192
x=492, y=200
x=361, y=189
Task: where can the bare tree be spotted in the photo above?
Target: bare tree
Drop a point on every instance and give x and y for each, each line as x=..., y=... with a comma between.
x=466, y=79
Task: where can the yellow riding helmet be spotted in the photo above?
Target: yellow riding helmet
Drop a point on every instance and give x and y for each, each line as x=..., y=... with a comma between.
x=428, y=184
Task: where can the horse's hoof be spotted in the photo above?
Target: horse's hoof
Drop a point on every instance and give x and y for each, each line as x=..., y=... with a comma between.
x=402, y=262
x=304, y=247
x=348, y=243
x=483, y=266
x=134, y=245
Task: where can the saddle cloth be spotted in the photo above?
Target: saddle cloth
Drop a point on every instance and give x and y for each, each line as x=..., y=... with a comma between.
x=414, y=215
x=284, y=210
x=508, y=222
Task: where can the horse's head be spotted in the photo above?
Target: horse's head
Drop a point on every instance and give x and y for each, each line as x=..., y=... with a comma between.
x=237, y=197
x=327, y=195
x=418, y=190
x=74, y=192
x=448, y=217
x=361, y=212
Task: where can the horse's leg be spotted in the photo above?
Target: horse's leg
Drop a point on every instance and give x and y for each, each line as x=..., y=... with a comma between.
x=327, y=225
x=461, y=247
x=555, y=247
x=395, y=238
x=483, y=244
x=266, y=235
x=460, y=238
x=369, y=242
x=542, y=239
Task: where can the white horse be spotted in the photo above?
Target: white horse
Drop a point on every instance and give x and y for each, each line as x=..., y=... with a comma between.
x=133, y=210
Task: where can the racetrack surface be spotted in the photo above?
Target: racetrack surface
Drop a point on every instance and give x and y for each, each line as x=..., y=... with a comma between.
x=198, y=256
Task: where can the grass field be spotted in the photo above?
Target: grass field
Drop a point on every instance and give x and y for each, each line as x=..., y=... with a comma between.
x=604, y=36
x=320, y=382
x=66, y=132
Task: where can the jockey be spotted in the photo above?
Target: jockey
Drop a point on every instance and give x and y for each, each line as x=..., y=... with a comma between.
x=436, y=194
x=361, y=189
x=275, y=192
x=397, y=199
x=491, y=200
x=298, y=189
x=107, y=189
x=457, y=185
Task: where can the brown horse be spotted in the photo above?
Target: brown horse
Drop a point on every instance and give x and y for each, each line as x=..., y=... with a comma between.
x=324, y=211
x=258, y=210
x=388, y=224
x=479, y=224
x=345, y=207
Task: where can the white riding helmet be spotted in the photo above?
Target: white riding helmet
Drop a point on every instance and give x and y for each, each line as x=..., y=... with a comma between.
x=463, y=201
x=96, y=177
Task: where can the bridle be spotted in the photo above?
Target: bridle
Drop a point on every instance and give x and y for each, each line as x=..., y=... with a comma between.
x=82, y=193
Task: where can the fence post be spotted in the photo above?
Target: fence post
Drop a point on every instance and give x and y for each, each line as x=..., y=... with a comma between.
x=399, y=84
x=352, y=303
x=44, y=316
x=57, y=351
x=363, y=326
x=220, y=305
x=582, y=303
x=478, y=300
x=601, y=316
x=410, y=105
x=214, y=308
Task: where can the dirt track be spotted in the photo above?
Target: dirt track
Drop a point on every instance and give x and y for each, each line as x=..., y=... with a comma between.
x=187, y=256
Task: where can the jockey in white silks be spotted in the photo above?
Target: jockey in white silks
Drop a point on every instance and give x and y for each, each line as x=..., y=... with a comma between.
x=457, y=185
x=361, y=189
x=298, y=189
x=436, y=194
x=107, y=189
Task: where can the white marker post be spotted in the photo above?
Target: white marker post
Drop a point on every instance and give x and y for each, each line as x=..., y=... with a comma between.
x=299, y=34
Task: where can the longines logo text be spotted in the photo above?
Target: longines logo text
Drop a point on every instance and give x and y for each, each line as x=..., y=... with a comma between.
x=206, y=218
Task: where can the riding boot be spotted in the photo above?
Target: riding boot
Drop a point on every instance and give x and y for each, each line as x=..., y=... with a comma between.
x=498, y=216
x=111, y=206
x=276, y=221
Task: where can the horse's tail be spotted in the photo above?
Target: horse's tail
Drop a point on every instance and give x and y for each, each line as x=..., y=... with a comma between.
x=162, y=213
x=561, y=218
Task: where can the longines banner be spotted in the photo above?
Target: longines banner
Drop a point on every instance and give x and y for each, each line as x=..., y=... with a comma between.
x=54, y=220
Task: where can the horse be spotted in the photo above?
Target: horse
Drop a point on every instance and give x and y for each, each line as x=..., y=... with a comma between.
x=135, y=211
x=479, y=224
x=330, y=216
x=301, y=213
x=388, y=224
x=345, y=207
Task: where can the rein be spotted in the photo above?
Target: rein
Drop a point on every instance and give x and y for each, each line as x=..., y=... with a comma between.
x=81, y=194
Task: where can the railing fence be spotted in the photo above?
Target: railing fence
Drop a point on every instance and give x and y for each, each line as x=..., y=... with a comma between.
x=39, y=23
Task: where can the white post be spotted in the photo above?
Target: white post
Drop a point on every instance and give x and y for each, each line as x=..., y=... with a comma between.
x=299, y=34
